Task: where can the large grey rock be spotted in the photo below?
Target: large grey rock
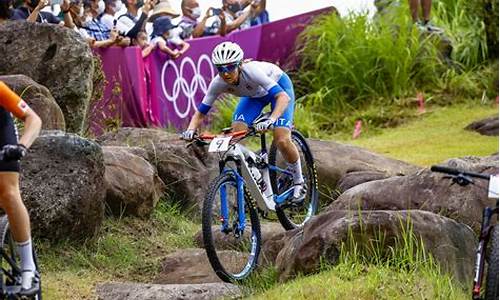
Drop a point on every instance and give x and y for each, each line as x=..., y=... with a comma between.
x=133, y=185
x=192, y=266
x=488, y=126
x=451, y=244
x=335, y=160
x=62, y=186
x=428, y=191
x=54, y=56
x=39, y=99
x=137, y=291
x=352, y=179
x=187, y=172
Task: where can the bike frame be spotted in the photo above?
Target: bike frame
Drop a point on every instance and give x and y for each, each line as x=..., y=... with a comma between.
x=242, y=175
x=484, y=237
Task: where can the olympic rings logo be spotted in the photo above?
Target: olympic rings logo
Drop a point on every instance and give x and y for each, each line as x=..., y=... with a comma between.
x=181, y=84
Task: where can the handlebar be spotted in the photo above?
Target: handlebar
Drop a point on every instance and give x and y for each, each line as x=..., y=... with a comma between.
x=204, y=138
x=457, y=172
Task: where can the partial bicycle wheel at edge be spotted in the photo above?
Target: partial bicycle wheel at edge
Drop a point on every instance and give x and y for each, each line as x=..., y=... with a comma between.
x=492, y=275
x=8, y=276
x=291, y=218
x=233, y=254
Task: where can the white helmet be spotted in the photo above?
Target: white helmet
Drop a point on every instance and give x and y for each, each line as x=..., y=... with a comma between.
x=227, y=53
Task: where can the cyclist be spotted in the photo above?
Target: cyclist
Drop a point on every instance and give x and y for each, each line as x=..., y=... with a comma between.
x=10, y=196
x=258, y=84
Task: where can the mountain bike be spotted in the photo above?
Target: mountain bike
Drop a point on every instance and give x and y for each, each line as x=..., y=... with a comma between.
x=250, y=183
x=10, y=270
x=487, y=249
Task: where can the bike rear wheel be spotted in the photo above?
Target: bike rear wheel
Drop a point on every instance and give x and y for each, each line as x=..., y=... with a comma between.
x=10, y=276
x=294, y=217
x=492, y=275
x=232, y=252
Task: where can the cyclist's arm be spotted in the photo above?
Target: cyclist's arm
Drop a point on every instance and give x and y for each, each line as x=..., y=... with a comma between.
x=215, y=88
x=281, y=105
x=14, y=104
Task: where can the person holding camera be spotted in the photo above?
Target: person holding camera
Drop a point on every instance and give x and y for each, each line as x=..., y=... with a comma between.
x=189, y=27
x=31, y=11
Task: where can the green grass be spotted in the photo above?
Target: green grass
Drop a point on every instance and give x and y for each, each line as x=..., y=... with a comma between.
x=355, y=281
x=434, y=137
x=371, y=269
x=127, y=249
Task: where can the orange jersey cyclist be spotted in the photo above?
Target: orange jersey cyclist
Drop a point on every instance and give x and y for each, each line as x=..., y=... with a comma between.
x=258, y=84
x=12, y=151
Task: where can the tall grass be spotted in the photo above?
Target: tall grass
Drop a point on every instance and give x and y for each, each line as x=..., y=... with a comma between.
x=347, y=63
x=371, y=265
x=463, y=23
x=356, y=68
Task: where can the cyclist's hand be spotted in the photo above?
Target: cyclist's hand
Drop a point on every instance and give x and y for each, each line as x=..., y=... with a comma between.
x=188, y=135
x=264, y=125
x=14, y=152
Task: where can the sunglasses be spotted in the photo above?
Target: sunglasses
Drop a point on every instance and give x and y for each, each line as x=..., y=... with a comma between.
x=226, y=68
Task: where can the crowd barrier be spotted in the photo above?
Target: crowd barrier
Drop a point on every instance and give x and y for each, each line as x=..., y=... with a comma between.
x=158, y=92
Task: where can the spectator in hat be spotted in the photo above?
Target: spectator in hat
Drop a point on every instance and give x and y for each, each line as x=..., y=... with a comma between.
x=163, y=8
x=161, y=38
x=189, y=27
x=131, y=22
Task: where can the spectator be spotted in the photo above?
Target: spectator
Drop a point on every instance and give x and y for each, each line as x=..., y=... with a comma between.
x=260, y=16
x=130, y=23
x=161, y=9
x=425, y=24
x=236, y=16
x=5, y=10
x=215, y=22
x=189, y=26
x=142, y=42
x=31, y=11
x=111, y=7
x=94, y=27
x=82, y=20
x=160, y=37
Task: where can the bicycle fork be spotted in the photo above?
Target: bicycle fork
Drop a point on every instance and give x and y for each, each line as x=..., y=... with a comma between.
x=481, y=251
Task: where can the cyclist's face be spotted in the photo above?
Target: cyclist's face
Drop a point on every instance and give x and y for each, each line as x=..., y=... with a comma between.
x=229, y=73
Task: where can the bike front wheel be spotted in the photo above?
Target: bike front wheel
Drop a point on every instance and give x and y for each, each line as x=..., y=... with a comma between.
x=292, y=217
x=231, y=229
x=10, y=274
x=492, y=275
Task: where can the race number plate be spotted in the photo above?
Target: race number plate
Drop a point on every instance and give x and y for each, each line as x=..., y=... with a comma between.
x=219, y=144
x=494, y=187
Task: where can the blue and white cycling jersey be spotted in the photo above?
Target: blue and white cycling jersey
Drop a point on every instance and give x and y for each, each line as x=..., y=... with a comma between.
x=259, y=83
x=257, y=79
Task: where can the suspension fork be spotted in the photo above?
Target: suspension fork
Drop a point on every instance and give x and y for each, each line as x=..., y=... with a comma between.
x=240, y=193
x=481, y=251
